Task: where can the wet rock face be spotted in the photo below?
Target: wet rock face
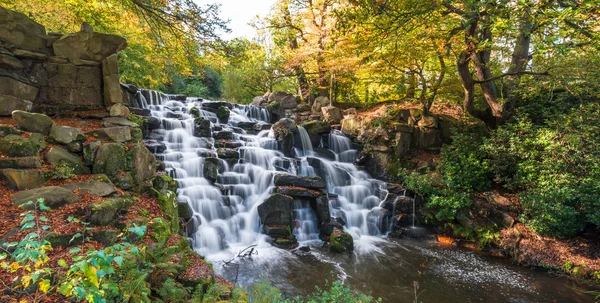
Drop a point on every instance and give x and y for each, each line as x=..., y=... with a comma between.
x=340, y=241
x=284, y=131
x=276, y=210
x=301, y=181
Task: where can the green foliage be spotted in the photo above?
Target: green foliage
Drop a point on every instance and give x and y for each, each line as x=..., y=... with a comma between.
x=29, y=257
x=463, y=165
x=139, y=120
x=448, y=203
x=63, y=170
x=555, y=166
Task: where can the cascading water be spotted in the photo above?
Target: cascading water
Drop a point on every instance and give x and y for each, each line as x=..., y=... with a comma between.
x=226, y=212
x=226, y=217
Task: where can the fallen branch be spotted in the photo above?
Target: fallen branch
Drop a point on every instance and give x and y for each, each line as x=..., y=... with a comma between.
x=243, y=254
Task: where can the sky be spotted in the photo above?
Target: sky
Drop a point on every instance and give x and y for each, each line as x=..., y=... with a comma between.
x=241, y=12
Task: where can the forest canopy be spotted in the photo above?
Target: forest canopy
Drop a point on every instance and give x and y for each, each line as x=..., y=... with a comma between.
x=484, y=55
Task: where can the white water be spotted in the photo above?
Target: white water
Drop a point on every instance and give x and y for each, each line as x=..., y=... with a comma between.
x=227, y=212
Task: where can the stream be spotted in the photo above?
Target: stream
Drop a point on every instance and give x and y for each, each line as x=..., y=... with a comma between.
x=226, y=218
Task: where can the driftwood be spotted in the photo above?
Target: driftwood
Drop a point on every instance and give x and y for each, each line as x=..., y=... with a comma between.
x=246, y=252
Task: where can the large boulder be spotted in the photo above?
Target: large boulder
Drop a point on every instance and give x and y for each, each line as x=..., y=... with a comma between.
x=60, y=157
x=21, y=179
x=89, y=152
x=16, y=146
x=284, y=131
x=99, y=186
x=107, y=212
x=66, y=134
x=428, y=122
x=20, y=31
x=319, y=103
x=31, y=122
x=340, y=241
x=53, y=196
x=119, y=110
x=8, y=104
x=18, y=89
x=88, y=46
x=332, y=114
x=300, y=192
x=110, y=159
x=143, y=163
x=276, y=210
x=313, y=182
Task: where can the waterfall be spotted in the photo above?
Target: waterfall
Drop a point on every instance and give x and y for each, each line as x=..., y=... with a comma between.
x=225, y=211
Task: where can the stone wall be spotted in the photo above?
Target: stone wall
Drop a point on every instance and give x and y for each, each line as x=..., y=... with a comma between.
x=52, y=72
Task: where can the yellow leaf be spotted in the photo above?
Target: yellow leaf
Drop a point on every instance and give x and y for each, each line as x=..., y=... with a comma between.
x=25, y=281
x=45, y=285
x=14, y=267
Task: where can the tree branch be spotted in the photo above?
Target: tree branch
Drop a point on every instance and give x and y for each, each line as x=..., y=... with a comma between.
x=545, y=73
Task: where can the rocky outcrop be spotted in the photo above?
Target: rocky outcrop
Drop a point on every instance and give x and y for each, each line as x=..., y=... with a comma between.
x=392, y=132
x=21, y=179
x=55, y=72
x=332, y=114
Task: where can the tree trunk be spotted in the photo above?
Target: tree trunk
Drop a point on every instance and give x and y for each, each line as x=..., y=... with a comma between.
x=302, y=81
x=412, y=85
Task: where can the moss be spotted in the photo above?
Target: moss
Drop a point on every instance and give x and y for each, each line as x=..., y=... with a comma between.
x=108, y=211
x=195, y=112
x=136, y=134
x=139, y=120
x=223, y=113
x=341, y=241
x=16, y=146
x=168, y=202
x=164, y=182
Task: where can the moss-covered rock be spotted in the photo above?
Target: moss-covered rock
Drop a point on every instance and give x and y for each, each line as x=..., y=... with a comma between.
x=63, y=240
x=168, y=202
x=211, y=169
x=8, y=130
x=39, y=140
x=284, y=131
x=164, y=182
x=340, y=241
x=223, y=113
x=184, y=210
x=124, y=181
x=59, y=157
x=107, y=212
x=106, y=237
x=31, y=122
x=110, y=159
x=89, y=152
x=136, y=134
x=195, y=112
x=202, y=128
x=16, y=146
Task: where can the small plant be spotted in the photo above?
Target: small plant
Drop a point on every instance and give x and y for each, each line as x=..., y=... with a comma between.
x=378, y=122
x=62, y=171
x=137, y=119
x=29, y=258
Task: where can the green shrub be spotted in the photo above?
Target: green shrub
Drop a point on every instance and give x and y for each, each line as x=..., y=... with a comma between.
x=555, y=167
x=449, y=203
x=463, y=165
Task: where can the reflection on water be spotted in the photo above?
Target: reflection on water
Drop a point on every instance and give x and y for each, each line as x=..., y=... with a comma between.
x=387, y=269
